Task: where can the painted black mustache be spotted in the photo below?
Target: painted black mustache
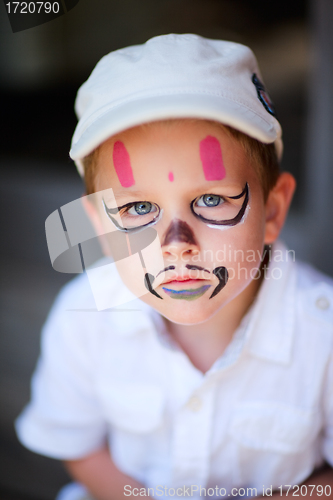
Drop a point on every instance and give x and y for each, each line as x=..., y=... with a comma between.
x=149, y=280
x=196, y=268
x=222, y=275
x=188, y=266
x=180, y=231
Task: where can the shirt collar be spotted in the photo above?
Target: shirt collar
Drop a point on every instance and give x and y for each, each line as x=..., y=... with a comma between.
x=271, y=326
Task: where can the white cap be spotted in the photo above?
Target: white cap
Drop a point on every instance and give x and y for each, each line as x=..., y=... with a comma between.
x=173, y=76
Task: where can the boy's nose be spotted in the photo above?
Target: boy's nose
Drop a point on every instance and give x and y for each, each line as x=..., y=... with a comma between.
x=179, y=238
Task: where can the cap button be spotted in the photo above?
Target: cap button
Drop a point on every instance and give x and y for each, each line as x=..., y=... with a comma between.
x=322, y=303
x=195, y=404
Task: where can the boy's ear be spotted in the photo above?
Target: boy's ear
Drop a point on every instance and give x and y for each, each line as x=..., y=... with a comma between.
x=277, y=206
x=95, y=220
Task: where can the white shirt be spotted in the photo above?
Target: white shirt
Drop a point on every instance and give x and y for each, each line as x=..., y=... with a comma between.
x=262, y=415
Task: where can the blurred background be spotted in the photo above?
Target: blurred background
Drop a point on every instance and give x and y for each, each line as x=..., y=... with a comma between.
x=40, y=71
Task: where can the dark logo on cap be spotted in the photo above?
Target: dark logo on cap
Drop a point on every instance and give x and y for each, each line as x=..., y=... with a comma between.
x=263, y=96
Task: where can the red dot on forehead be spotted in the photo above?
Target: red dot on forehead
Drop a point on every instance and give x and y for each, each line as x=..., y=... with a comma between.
x=171, y=177
x=211, y=158
x=122, y=164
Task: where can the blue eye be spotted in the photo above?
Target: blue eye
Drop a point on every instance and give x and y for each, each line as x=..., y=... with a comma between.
x=134, y=216
x=209, y=200
x=142, y=208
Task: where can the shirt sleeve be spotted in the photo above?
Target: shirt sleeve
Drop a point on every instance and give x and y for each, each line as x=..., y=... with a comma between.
x=64, y=419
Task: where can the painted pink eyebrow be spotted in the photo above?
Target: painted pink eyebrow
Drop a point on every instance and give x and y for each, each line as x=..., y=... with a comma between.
x=122, y=164
x=211, y=159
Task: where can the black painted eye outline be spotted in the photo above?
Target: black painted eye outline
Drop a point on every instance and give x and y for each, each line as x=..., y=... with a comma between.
x=113, y=211
x=230, y=222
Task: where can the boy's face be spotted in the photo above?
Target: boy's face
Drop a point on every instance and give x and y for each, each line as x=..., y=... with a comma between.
x=196, y=186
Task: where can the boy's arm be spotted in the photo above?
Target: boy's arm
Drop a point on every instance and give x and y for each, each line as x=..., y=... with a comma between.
x=321, y=478
x=100, y=476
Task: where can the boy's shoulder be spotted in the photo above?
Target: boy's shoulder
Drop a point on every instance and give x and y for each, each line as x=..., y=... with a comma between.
x=80, y=293
x=315, y=292
x=294, y=284
x=75, y=295
x=75, y=305
x=293, y=312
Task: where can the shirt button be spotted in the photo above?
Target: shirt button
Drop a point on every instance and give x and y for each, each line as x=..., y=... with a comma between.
x=322, y=303
x=194, y=404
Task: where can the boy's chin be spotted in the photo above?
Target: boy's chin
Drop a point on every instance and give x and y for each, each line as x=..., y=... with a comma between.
x=185, y=313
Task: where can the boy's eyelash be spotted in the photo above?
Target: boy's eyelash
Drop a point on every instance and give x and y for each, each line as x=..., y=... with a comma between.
x=224, y=198
x=116, y=210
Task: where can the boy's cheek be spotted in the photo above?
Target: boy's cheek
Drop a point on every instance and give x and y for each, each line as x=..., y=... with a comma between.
x=132, y=274
x=143, y=255
x=152, y=257
x=241, y=253
x=238, y=245
x=241, y=273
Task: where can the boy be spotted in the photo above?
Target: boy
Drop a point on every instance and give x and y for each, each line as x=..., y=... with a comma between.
x=221, y=384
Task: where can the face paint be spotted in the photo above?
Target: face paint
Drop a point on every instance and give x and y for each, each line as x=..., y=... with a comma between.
x=225, y=224
x=122, y=164
x=222, y=274
x=149, y=279
x=180, y=231
x=222, y=228
x=169, y=268
x=211, y=158
x=196, y=268
x=190, y=294
x=170, y=177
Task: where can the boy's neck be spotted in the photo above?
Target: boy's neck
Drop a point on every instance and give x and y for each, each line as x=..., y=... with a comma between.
x=204, y=343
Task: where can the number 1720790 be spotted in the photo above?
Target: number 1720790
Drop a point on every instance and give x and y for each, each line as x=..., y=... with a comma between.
x=305, y=490
x=33, y=7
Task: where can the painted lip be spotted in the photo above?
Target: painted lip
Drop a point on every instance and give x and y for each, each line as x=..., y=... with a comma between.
x=181, y=278
x=183, y=281
x=189, y=278
x=186, y=293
